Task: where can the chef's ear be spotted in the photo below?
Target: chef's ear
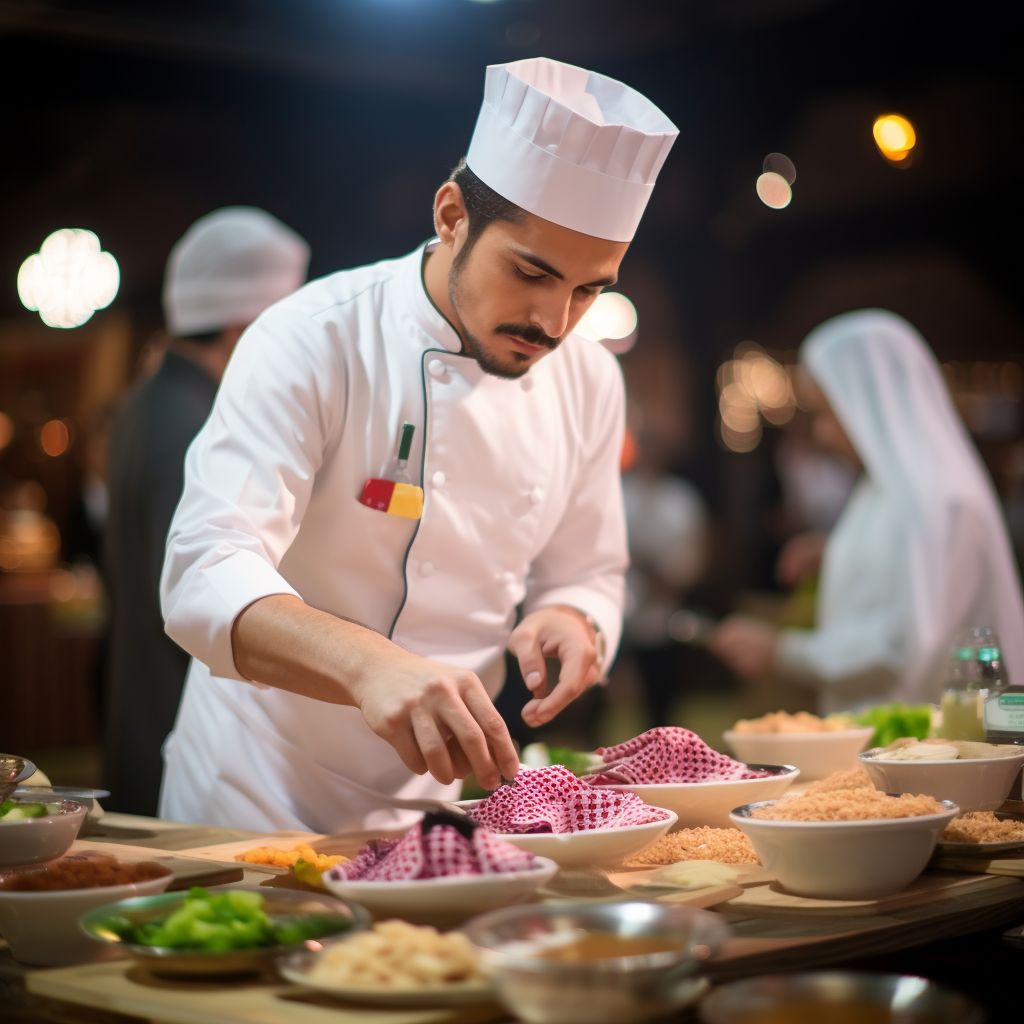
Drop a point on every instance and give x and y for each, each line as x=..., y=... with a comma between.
x=451, y=218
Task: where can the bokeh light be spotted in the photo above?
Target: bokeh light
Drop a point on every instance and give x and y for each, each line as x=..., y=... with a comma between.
x=894, y=136
x=611, y=320
x=752, y=387
x=69, y=278
x=773, y=190
x=54, y=438
x=6, y=430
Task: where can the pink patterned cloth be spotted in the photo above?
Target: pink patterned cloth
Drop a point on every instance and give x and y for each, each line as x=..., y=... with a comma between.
x=440, y=853
x=554, y=800
x=668, y=754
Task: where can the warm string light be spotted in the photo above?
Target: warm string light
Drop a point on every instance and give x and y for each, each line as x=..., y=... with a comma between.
x=894, y=136
x=69, y=278
x=752, y=386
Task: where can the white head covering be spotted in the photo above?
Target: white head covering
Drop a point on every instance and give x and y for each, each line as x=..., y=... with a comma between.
x=569, y=145
x=928, y=503
x=228, y=267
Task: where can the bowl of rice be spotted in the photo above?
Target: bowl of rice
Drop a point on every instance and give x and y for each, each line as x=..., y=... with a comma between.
x=847, y=844
x=817, y=746
x=975, y=776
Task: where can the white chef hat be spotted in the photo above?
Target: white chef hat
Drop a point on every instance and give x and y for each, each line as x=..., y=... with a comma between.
x=228, y=267
x=569, y=145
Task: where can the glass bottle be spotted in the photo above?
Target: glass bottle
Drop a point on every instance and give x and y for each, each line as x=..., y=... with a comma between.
x=975, y=669
x=399, y=468
x=1004, y=711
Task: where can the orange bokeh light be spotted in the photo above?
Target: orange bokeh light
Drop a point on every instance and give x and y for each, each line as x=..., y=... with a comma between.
x=54, y=438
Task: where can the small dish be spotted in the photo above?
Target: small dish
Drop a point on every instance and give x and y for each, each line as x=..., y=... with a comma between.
x=709, y=803
x=42, y=927
x=446, y=901
x=816, y=754
x=604, y=847
x=88, y=797
x=612, y=990
x=32, y=841
x=295, y=967
x=973, y=784
x=166, y=962
x=844, y=860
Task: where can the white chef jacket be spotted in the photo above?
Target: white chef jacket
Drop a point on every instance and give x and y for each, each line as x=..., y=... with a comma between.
x=522, y=504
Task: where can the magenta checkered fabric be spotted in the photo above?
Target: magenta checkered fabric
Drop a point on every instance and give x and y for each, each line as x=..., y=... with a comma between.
x=668, y=754
x=554, y=800
x=440, y=853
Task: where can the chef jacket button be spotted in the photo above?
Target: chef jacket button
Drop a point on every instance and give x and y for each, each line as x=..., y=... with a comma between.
x=508, y=577
x=438, y=479
x=426, y=568
x=536, y=496
x=437, y=369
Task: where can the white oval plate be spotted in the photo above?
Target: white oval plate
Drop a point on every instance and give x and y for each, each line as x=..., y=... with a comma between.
x=604, y=847
x=294, y=969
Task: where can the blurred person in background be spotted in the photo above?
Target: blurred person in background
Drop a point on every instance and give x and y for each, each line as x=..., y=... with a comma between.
x=920, y=550
x=226, y=269
x=667, y=527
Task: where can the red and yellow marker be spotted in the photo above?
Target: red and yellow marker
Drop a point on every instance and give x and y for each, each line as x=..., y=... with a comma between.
x=404, y=500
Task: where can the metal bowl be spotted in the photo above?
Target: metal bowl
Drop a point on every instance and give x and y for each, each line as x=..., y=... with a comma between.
x=617, y=990
x=13, y=769
x=180, y=962
x=836, y=996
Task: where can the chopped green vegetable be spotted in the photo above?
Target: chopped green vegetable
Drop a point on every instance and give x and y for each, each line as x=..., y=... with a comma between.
x=11, y=811
x=578, y=763
x=891, y=721
x=217, y=922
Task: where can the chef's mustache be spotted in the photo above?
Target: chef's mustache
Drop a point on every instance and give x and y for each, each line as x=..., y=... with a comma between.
x=528, y=332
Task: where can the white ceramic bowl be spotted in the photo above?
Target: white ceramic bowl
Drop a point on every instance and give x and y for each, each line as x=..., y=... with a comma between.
x=444, y=900
x=42, y=927
x=37, y=840
x=603, y=847
x=980, y=784
x=844, y=860
x=816, y=754
x=709, y=803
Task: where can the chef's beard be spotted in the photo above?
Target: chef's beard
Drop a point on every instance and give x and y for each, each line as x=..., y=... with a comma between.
x=488, y=362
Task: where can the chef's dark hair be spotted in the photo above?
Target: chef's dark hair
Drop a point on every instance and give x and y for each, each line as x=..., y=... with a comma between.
x=483, y=204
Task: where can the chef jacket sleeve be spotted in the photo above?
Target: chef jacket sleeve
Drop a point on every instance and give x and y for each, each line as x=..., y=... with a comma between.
x=583, y=564
x=248, y=478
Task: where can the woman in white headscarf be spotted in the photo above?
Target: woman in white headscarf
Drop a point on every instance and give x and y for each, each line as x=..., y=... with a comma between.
x=920, y=550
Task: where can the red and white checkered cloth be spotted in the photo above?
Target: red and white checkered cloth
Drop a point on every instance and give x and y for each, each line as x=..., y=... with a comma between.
x=554, y=800
x=440, y=853
x=669, y=754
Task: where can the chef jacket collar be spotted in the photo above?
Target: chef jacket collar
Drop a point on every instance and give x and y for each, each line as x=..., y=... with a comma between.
x=427, y=315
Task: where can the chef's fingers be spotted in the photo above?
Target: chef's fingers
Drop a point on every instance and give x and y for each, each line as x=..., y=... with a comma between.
x=404, y=742
x=525, y=644
x=474, y=744
x=459, y=760
x=501, y=748
x=578, y=671
x=432, y=746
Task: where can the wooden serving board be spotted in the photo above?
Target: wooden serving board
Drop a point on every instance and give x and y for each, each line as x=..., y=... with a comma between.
x=188, y=871
x=930, y=888
x=125, y=987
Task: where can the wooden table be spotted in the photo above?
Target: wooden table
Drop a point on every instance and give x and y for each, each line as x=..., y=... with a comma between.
x=762, y=943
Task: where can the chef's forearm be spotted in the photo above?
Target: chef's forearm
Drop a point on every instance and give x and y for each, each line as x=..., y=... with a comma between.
x=281, y=641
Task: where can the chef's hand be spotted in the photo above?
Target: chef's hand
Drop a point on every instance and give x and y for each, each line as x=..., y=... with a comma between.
x=746, y=645
x=800, y=557
x=556, y=632
x=438, y=718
